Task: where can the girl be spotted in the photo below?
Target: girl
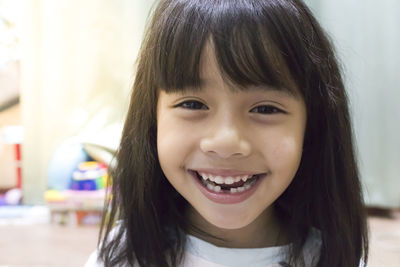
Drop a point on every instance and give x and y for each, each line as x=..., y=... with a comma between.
x=237, y=149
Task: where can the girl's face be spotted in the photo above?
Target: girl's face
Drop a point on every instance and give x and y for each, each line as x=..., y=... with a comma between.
x=229, y=153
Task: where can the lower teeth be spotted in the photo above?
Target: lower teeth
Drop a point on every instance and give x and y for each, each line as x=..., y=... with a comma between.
x=216, y=188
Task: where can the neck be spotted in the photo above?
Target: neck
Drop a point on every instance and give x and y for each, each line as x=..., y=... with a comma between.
x=264, y=231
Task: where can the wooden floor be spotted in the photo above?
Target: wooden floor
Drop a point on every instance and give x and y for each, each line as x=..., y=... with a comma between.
x=46, y=245
x=384, y=242
x=58, y=246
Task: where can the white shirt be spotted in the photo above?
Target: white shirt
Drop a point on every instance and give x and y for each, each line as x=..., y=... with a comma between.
x=199, y=253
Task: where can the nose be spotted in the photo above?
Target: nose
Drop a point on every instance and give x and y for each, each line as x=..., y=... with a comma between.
x=225, y=141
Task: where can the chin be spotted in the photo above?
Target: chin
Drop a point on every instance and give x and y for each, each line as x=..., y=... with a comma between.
x=228, y=221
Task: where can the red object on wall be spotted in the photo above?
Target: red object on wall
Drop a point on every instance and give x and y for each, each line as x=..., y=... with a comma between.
x=18, y=164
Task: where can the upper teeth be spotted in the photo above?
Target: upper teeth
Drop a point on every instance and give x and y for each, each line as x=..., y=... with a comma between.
x=224, y=180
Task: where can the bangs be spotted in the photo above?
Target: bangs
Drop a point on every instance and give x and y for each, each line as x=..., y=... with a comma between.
x=241, y=34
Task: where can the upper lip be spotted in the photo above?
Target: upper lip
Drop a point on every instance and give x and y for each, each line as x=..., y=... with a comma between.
x=225, y=172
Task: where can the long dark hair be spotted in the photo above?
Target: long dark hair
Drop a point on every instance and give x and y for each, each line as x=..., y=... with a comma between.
x=257, y=42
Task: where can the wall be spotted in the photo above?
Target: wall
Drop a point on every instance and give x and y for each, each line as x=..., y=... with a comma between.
x=367, y=38
x=77, y=69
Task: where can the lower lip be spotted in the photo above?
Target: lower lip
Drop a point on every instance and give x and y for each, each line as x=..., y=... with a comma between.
x=227, y=197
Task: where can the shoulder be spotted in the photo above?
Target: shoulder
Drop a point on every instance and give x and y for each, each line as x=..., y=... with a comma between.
x=94, y=259
x=362, y=264
x=312, y=247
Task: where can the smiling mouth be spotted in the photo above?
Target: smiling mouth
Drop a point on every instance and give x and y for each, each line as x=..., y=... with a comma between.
x=232, y=185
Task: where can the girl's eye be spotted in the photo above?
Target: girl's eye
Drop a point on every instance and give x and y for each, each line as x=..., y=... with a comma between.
x=192, y=104
x=266, y=109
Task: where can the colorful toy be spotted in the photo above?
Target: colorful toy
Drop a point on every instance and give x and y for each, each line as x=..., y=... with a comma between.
x=54, y=196
x=63, y=163
x=11, y=197
x=90, y=175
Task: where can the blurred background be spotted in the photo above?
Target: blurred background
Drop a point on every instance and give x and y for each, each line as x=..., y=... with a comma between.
x=66, y=68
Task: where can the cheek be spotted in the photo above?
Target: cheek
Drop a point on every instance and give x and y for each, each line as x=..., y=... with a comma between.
x=287, y=153
x=283, y=159
x=171, y=135
x=282, y=148
x=174, y=143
